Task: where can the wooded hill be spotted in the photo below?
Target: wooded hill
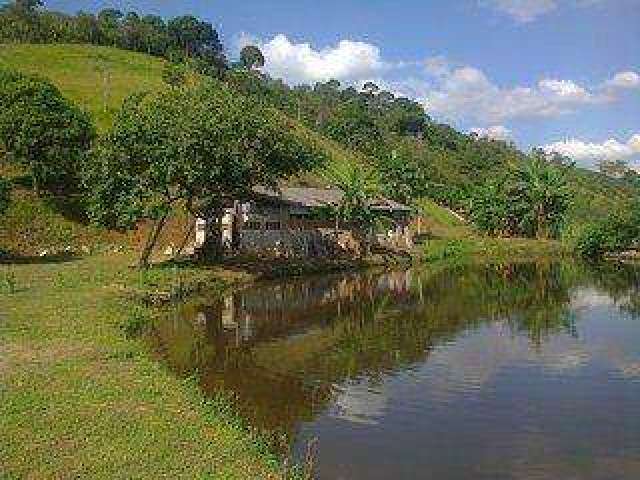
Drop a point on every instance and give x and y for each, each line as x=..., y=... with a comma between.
x=414, y=156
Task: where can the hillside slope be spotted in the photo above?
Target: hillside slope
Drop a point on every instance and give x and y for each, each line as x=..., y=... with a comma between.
x=96, y=78
x=33, y=225
x=99, y=78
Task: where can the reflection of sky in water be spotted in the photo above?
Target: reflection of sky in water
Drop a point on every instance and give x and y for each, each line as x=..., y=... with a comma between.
x=475, y=360
x=564, y=409
x=508, y=372
x=359, y=402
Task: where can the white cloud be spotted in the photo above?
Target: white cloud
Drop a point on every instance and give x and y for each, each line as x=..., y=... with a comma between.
x=495, y=132
x=624, y=80
x=448, y=91
x=564, y=89
x=590, y=153
x=301, y=63
x=467, y=93
x=522, y=10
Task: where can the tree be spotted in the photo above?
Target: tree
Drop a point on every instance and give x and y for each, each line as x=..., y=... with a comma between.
x=360, y=185
x=531, y=200
x=199, y=147
x=109, y=23
x=193, y=35
x=489, y=208
x=28, y=6
x=351, y=125
x=370, y=89
x=19, y=21
x=403, y=179
x=540, y=191
x=41, y=130
x=251, y=57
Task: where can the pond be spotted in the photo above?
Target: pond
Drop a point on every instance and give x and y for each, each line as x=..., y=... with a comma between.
x=527, y=371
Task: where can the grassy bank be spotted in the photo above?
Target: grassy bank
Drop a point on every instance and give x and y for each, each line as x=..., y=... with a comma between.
x=490, y=249
x=82, y=399
x=80, y=394
x=447, y=238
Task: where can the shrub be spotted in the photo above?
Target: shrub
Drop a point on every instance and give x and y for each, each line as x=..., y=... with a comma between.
x=615, y=234
x=41, y=130
x=438, y=250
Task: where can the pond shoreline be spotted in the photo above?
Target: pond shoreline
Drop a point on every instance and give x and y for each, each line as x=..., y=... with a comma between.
x=66, y=330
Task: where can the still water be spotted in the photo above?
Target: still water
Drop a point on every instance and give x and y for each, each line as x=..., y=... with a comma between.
x=527, y=371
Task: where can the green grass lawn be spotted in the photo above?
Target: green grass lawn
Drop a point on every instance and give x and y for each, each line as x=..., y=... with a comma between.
x=78, y=71
x=80, y=399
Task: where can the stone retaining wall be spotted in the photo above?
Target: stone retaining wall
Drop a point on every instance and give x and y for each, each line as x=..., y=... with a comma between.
x=298, y=243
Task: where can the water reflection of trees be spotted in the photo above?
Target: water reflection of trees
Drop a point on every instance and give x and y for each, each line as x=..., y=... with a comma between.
x=281, y=348
x=621, y=282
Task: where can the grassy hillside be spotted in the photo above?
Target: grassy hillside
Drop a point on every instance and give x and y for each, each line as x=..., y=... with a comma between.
x=99, y=78
x=96, y=78
x=33, y=225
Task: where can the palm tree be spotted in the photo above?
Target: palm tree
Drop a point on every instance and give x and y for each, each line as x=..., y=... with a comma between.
x=541, y=194
x=360, y=184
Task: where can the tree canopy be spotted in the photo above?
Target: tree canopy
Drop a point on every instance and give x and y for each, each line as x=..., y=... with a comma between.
x=251, y=57
x=178, y=39
x=531, y=200
x=200, y=146
x=42, y=131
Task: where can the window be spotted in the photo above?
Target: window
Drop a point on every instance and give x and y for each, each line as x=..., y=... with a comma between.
x=252, y=226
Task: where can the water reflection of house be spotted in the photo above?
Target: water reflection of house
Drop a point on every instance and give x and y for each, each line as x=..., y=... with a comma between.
x=254, y=315
x=295, y=211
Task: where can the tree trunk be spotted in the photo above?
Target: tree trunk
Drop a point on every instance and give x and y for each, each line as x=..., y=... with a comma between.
x=542, y=232
x=36, y=183
x=211, y=250
x=152, y=239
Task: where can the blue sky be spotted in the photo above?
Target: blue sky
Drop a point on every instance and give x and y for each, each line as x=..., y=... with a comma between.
x=558, y=73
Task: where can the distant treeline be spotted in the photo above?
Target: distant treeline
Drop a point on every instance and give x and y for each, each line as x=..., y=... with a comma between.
x=177, y=39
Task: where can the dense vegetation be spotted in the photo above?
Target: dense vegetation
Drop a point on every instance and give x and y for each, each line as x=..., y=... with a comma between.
x=42, y=131
x=201, y=147
x=179, y=39
x=616, y=233
x=531, y=200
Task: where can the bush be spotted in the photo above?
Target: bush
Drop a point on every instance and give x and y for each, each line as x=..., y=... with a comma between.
x=41, y=130
x=615, y=234
x=438, y=250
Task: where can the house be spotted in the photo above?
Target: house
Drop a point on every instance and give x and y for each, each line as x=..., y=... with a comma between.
x=276, y=217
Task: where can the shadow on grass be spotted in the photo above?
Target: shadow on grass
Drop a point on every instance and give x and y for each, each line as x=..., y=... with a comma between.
x=8, y=258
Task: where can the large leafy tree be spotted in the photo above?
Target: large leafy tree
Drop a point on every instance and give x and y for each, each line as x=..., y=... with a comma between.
x=540, y=192
x=43, y=131
x=351, y=125
x=531, y=200
x=360, y=185
x=198, y=147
